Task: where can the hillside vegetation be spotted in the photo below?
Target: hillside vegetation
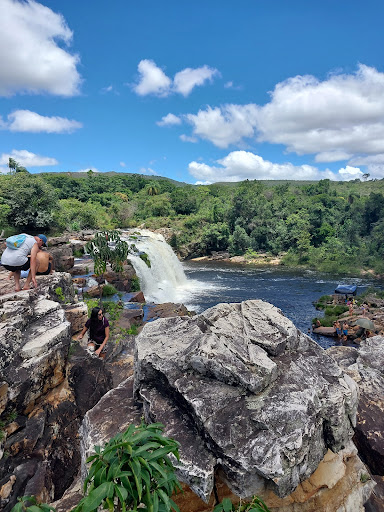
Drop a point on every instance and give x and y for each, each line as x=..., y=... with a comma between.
x=333, y=226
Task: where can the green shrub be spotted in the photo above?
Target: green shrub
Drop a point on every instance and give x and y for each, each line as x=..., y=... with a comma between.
x=327, y=321
x=335, y=310
x=77, y=253
x=60, y=295
x=135, y=284
x=134, y=471
x=109, y=290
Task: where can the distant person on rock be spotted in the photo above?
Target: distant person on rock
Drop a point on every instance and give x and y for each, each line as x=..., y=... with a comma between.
x=338, y=328
x=23, y=256
x=345, y=331
x=98, y=327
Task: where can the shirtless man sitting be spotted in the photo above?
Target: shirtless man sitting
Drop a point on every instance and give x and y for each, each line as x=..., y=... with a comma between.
x=44, y=266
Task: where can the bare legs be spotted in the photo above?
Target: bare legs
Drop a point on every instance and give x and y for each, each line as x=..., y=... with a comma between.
x=16, y=277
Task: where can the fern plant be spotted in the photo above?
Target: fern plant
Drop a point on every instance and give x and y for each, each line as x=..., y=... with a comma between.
x=132, y=471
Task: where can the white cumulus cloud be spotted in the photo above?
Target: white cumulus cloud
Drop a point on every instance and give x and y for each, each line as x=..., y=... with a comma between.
x=31, y=58
x=169, y=120
x=226, y=125
x=339, y=118
x=185, y=80
x=187, y=138
x=242, y=165
x=153, y=80
x=27, y=158
x=350, y=173
x=27, y=121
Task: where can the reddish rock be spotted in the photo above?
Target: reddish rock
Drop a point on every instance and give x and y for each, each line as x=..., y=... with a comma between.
x=129, y=317
x=77, y=315
x=94, y=291
x=79, y=281
x=137, y=297
x=166, y=310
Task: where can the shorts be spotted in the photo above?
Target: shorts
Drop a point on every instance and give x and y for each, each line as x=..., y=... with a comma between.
x=338, y=332
x=345, y=332
x=97, y=346
x=12, y=268
x=46, y=272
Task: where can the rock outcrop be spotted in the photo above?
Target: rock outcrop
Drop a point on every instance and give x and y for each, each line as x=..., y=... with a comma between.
x=61, y=250
x=255, y=404
x=366, y=366
x=44, y=392
x=264, y=400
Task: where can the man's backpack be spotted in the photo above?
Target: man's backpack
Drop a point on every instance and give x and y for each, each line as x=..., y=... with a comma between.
x=15, y=241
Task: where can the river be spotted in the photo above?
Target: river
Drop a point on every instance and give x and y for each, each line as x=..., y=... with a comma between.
x=291, y=290
x=203, y=284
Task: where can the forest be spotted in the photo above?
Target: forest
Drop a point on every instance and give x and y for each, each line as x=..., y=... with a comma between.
x=324, y=225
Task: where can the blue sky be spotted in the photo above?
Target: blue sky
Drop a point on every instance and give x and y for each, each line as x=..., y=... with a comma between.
x=202, y=91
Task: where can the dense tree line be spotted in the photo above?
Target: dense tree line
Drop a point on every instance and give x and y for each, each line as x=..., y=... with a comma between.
x=337, y=226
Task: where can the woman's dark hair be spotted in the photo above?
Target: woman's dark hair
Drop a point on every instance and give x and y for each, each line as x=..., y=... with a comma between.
x=94, y=321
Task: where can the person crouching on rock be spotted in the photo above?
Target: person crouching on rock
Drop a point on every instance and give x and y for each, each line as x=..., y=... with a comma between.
x=24, y=258
x=44, y=265
x=98, y=327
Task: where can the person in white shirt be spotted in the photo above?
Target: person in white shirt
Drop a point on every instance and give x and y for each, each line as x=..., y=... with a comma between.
x=23, y=258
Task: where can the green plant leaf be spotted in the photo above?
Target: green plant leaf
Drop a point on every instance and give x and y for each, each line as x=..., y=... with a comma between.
x=17, y=508
x=100, y=476
x=158, y=468
x=173, y=505
x=146, y=447
x=144, y=463
x=157, y=454
x=95, y=498
x=123, y=492
x=227, y=505
x=164, y=499
x=135, y=466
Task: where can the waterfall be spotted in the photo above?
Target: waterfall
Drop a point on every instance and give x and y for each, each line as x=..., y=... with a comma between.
x=165, y=280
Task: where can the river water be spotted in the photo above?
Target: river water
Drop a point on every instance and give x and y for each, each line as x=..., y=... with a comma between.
x=291, y=290
x=202, y=284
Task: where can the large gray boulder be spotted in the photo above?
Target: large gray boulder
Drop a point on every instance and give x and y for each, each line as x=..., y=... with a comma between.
x=244, y=391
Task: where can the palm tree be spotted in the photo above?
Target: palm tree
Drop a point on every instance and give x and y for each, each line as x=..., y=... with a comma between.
x=152, y=189
x=13, y=165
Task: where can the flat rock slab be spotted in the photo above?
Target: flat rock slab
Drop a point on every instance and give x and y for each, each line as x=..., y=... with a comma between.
x=264, y=400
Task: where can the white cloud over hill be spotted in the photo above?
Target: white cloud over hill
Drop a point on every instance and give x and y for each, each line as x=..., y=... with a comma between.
x=27, y=159
x=31, y=60
x=242, y=165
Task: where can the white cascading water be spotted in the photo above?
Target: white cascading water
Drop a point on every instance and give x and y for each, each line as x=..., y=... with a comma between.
x=165, y=280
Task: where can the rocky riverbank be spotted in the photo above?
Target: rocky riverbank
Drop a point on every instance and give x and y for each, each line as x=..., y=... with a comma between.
x=257, y=406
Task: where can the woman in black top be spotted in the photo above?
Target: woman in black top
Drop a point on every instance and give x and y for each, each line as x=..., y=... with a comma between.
x=98, y=327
